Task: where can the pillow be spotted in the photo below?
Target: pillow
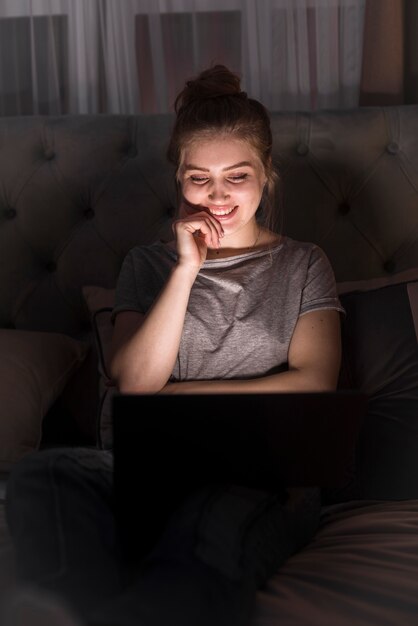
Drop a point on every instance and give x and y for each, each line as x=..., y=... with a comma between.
x=34, y=369
x=100, y=301
x=380, y=357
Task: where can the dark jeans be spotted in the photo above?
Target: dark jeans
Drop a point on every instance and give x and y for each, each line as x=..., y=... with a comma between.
x=219, y=546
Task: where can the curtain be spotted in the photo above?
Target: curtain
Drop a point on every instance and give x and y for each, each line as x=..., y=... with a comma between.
x=390, y=53
x=132, y=56
x=383, y=53
x=410, y=70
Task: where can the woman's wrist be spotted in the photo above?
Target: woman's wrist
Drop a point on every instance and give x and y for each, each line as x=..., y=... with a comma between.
x=186, y=272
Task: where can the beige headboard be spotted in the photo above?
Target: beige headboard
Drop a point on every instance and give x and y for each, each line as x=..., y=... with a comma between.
x=77, y=192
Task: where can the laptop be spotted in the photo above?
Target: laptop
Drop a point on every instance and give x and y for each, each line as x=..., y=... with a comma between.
x=165, y=447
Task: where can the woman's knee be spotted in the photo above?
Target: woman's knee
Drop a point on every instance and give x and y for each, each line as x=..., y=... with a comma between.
x=29, y=471
x=39, y=475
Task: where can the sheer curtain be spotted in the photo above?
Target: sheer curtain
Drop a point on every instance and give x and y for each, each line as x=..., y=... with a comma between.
x=132, y=56
x=390, y=53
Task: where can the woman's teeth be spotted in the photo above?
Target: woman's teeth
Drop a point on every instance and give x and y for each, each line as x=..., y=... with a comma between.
x=222, y=211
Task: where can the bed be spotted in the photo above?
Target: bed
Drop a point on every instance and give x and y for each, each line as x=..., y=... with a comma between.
x=77, y=192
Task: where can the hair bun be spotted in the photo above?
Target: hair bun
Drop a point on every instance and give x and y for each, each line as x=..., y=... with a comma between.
x=215, y=82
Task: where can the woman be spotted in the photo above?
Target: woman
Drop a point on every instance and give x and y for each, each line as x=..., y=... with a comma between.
x=221, y=148
x=228, y=307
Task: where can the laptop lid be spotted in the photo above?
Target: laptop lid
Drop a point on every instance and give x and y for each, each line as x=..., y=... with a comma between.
x=167, y=446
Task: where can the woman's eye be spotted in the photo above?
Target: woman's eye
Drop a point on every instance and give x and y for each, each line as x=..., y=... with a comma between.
x=201, y=180
x=238, y=178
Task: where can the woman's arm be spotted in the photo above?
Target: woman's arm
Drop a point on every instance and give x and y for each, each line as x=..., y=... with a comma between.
x=145, y=348
x=313, y=363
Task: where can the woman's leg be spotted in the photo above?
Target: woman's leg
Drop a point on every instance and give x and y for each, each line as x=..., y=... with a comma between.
x=59, y=511
x=218, y=548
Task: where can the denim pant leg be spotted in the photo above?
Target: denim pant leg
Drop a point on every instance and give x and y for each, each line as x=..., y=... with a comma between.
x=218, y=549
x=59, y=511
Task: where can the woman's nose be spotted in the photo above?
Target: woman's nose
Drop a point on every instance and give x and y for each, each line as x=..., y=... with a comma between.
x=218, y=192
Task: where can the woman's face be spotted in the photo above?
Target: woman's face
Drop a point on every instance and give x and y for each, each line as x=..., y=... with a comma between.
x=224, y=177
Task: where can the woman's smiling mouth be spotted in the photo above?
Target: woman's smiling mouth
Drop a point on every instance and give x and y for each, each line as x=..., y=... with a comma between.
x=222, y=212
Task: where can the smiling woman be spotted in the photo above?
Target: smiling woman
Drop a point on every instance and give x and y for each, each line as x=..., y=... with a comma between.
x=222, y=145
x=225, y=192
x=194, y=333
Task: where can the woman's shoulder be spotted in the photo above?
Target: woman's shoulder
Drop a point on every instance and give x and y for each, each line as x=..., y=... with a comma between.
x=298, y=248
x=154, y=250
x=300, y=256
x=299, y=244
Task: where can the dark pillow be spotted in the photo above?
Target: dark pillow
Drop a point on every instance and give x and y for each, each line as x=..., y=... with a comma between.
x=100, y=302
x=35, y=367
x=380, y=357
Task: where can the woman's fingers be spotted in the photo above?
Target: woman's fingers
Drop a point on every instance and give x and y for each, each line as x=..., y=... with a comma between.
x=202, y=225
x=195, y=218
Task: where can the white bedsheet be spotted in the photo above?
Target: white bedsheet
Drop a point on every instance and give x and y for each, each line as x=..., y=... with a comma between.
x=361, y=569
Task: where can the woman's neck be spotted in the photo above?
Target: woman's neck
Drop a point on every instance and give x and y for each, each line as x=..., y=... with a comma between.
x=262, y=238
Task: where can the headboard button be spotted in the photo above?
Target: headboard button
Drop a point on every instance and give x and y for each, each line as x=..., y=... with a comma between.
x=51, y=266
x=88, y=213
x=389, y=266
x=10, y=213
x=344, y=208
x=392, y=147
x=49, y=154
x=302, y=149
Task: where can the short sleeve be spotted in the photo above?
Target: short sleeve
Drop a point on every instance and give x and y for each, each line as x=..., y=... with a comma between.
x=126, y=297
x=144, y=271
x=320, y=289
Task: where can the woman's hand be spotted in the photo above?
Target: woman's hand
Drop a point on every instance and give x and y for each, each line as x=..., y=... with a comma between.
x=196, y=230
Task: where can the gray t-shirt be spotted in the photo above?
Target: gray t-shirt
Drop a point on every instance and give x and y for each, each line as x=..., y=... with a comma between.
x=242, y=310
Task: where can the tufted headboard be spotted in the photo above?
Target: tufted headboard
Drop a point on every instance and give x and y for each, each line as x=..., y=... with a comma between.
x=77, y=192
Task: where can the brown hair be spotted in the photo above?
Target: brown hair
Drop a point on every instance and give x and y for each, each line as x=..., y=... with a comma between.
x=213, y=103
